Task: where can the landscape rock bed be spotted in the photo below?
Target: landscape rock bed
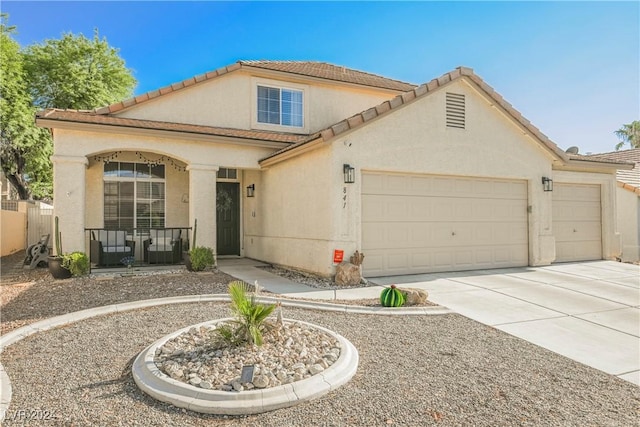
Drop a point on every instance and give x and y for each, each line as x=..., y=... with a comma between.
x=293, y=353
x=309, y=279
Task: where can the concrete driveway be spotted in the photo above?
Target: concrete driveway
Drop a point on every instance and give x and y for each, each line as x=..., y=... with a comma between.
x=589, y=311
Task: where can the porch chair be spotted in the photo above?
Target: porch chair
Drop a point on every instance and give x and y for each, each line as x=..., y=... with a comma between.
x=110, y=246
x=164, y=246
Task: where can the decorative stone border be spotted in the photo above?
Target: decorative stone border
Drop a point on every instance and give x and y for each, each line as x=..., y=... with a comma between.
x=164, y=388
x=69, y=318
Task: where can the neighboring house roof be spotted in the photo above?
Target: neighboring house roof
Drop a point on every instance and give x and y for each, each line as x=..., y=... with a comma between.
x=90, y=117
x=628, y=179
x=320, y=70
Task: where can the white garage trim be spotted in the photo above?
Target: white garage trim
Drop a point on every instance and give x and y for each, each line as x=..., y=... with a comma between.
x=577, y=222
x=427, y=223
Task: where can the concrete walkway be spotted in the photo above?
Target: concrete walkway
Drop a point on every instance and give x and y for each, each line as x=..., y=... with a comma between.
x=588, y=312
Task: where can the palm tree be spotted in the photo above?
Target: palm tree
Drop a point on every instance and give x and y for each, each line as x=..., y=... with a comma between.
x=629, y=134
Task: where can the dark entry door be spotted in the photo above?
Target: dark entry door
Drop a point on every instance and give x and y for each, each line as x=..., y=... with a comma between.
x=228, y=218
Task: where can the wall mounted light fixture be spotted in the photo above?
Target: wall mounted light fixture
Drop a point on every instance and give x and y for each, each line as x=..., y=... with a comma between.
x=547, y=183
x=251, y=190
x=349, y=174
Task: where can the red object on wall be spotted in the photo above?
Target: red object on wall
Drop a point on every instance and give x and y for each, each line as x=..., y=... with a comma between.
x=338, y=256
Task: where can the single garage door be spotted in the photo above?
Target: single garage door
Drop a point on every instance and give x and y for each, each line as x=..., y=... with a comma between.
x=577, y=223
x=418, y=224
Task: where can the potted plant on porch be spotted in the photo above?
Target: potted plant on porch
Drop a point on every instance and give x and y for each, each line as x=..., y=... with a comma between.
x=198, y=258
x=63, y=266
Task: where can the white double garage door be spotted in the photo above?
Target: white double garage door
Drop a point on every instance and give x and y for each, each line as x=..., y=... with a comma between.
x=426, y=223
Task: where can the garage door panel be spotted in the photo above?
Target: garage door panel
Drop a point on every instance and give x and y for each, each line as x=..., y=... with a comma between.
x=373, y=184
x=439, y=223
x=374, y=206
x=577, y=222
x=398, y=260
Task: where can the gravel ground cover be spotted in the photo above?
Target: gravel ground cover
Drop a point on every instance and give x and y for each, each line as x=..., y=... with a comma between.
x=414, y=371
x=43, y=297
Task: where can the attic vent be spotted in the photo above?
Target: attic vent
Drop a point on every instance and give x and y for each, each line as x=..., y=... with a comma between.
x=455, y=110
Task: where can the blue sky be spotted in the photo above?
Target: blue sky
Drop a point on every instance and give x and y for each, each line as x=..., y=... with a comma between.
x=572, y=68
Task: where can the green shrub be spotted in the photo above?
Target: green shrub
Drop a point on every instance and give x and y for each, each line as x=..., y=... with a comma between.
x=250, y=318
x=76, y=262
x=201, y=258
x=391, y=297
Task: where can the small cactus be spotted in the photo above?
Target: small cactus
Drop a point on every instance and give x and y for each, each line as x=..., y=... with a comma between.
x=391, y=297
x=195, y=230
x=58, y=237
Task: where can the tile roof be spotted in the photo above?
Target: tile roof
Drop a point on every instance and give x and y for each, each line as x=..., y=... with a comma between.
x=630, y=177
x=328, y=71
x=321, y=70
x=362, y=118
x=90, y=117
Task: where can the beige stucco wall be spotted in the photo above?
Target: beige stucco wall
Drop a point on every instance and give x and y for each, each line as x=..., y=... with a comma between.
x=13, y=232
x=629, y=223
x=229, y=101
x=290, y=219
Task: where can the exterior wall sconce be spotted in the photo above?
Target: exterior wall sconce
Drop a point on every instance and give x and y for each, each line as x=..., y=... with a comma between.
x=349, y=174
x=547, y=183
x=251, y=190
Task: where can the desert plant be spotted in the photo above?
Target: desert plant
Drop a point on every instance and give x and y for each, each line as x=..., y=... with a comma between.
x=195, y=230
x=56, y=262
x=58, y=238
x=391, y=297
x=201, y=258
x=249, y=321
x=76, y=262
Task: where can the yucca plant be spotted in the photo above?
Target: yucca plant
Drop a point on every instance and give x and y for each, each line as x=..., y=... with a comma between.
x=250, y=317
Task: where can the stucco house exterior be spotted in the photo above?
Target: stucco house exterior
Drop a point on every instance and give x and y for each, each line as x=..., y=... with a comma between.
x=628, y=202
x=309, y=158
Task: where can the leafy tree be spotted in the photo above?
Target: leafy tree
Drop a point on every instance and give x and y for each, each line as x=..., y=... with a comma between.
x=629, y=134
x=24, y=148
x=76, y=72
x=72, y=72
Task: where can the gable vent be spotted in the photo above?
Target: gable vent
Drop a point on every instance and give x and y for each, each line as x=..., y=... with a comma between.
x=455, y=110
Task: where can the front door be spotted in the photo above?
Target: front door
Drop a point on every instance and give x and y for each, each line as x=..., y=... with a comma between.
x=228, y=218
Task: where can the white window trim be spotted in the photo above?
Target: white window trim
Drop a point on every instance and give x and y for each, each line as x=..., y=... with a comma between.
x=255, y=82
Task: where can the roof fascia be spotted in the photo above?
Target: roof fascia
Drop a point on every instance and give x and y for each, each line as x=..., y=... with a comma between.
x=128, y=130
x=582, y=165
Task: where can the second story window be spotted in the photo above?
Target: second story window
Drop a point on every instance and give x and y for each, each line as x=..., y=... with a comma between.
x=280, y=106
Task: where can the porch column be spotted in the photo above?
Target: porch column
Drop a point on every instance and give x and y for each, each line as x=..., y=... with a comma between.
x=69, y=200
x=202, y=202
